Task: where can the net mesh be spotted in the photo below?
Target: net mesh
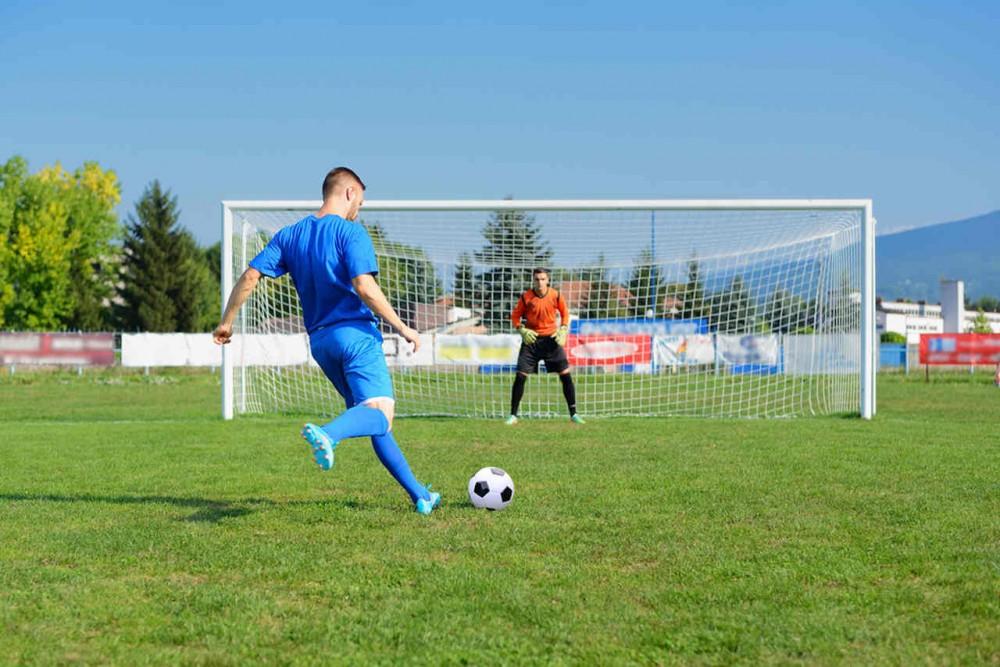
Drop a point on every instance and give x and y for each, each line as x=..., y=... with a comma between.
x=726, y=313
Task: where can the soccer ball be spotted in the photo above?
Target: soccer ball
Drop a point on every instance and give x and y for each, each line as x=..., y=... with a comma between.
x=491, y=488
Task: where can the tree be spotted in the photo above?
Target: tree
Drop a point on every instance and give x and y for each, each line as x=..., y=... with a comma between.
x=645, y=285
x=213, y=294
x=785, y=312
x=57, y=256
x=465, y=283
x=987, y=304
x=603, y=296
x=406, y=275
x=840, y=309
x=732, y=310
x=693, y=298
x=165, y=281
x=980, y=325
x=514, y=245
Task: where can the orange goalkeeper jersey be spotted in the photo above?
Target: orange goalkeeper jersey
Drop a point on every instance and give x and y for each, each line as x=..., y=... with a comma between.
x=540, y=311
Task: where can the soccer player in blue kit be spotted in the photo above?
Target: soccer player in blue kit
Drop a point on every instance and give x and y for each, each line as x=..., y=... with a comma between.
x=332, y=263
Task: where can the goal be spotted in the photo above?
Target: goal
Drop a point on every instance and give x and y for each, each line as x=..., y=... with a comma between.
x=702, y=308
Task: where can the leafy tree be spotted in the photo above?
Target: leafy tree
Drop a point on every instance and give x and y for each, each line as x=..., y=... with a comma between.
x=165, y=280
x=56, y=253
x=732, y=310
x=602, y=300
x=892, y=337
x=987, y=304
x=980, y=325
x=514, y=246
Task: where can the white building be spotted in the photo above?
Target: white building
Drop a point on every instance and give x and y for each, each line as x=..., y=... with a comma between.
x=913, y=319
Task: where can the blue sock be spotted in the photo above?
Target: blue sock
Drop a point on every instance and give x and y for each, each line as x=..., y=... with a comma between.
x=392, y=458
x=359, y=421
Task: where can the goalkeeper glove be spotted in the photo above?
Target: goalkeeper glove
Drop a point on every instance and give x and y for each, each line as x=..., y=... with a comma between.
x=561, y=334
x=529, y=336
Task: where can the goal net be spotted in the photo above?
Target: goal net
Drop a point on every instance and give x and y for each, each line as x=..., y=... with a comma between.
x=677, y=308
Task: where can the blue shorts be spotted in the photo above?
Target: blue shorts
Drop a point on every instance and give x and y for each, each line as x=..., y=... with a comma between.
x=350, y=353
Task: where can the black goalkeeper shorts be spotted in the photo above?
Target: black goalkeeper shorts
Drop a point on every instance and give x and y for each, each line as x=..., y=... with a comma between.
x=544, y=349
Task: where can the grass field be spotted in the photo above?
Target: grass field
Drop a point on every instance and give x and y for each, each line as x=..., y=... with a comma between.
x=137, y=528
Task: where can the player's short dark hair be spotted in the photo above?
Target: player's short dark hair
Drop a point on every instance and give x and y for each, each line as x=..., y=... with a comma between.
x=336, y=176
x=540, y=269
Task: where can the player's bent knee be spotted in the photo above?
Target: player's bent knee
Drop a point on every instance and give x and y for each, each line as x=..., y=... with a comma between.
x=385, y=404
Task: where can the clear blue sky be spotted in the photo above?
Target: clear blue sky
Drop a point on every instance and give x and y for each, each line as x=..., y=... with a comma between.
x=897, y=101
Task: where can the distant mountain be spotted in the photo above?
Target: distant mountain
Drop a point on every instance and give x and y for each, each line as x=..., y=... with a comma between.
x=911, y=264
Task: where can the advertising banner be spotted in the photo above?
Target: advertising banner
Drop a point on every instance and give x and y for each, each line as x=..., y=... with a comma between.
x=609, y=350
x=959, y=349
x=614, y=326
x=57, y=349
x=398, y=352
x=477, y=349
x=693, y=350
x=761, y=349
x=180, y=349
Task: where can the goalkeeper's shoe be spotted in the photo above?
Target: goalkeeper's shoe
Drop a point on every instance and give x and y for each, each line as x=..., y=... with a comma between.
x=425, y=507
x=510, y=421
x=322, y=445
x=577, y=419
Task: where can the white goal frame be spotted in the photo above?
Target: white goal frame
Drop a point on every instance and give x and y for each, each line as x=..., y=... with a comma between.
x=866, y=397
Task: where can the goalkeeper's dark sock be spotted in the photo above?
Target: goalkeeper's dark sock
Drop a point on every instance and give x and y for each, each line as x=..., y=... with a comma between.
x=569, y=391
x=392, y=458
x=517, y=393
x=359, y=421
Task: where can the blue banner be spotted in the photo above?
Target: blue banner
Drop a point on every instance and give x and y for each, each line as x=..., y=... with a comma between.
x=619, y=326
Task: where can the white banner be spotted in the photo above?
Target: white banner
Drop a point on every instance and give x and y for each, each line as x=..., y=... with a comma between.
x=477, y=350
x=749, y=349
x=400, y=353
x=179, y=349
x=683, y=350
x=821, y=354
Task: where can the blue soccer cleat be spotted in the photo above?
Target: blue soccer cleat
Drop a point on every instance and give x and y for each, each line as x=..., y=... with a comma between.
x=577, y=419
x=425, y=507
x=322, y=446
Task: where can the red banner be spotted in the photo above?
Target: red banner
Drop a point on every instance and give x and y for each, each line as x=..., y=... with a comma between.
x=959, y=349
x=598, y=350
x=58, y=349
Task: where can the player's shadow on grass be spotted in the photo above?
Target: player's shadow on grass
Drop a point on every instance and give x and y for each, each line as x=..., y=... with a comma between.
x=206, y=510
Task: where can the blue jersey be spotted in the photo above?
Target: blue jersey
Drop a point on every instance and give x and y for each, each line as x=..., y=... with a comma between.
x=322, y=255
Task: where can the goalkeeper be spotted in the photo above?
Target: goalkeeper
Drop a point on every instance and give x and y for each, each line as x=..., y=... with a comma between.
x=542, y=340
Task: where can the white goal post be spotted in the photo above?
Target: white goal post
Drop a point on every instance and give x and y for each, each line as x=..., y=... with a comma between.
x=705, y=308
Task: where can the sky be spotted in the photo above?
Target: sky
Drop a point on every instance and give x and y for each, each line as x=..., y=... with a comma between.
x=893, y=101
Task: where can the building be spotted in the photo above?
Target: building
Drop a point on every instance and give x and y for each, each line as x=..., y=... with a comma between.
x=913, y=319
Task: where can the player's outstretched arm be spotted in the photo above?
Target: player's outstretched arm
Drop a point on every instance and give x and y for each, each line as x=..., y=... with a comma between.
x=373, y=296
x=241, y=290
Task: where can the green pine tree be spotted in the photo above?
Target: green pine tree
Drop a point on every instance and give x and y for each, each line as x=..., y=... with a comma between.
x=465, y=283
x=514, y=246
x=645, y=285
x=164, y=277
x=694, y=293
x=732, y=310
